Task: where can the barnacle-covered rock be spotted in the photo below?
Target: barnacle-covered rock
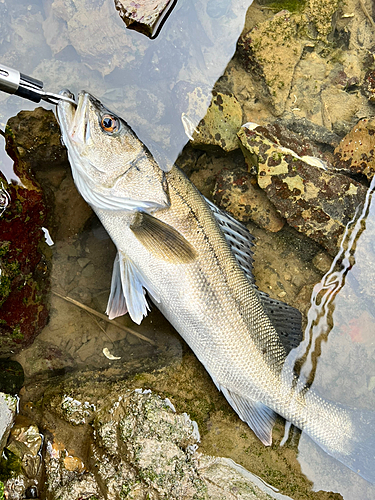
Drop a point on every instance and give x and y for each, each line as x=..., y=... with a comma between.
x=316, y=201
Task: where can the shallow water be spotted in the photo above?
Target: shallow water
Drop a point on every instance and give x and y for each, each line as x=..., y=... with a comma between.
x=148, y=83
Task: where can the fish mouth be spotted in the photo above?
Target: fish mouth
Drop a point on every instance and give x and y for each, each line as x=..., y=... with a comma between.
x=74, y=120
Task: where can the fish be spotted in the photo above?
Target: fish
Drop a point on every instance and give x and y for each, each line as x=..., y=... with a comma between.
x=195, y=263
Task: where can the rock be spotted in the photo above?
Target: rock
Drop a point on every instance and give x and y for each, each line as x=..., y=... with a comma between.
x=140, y=448
x=237, y=192
x=77, y=23
x=11, y=376
x=218, y=129
x=24, y=270
x=322, y=262
x=313, y=200
x=8, y=408
x=272, y=50
x=306, y=128
x=144, y=16
x=369, y=85
x=356, y=152
x=320, y=13
x=34, y=142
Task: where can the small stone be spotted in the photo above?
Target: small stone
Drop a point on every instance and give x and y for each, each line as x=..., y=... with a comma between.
x=322, y=262
x=369, y=85
x=27, y=435
x=88, y=271
x=86, y=350
x=83, y=262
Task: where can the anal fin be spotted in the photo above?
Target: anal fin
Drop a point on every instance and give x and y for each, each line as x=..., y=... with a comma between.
x=258, y=417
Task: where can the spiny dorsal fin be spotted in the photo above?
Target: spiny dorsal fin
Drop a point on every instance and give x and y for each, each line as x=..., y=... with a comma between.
x=162, y=240
x=286, y=320
x=238, y=237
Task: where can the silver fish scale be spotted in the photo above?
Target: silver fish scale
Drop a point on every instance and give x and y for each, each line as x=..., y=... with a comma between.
x=210, y=302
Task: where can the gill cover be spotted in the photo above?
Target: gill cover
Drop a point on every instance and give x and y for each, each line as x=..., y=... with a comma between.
x=111, y=167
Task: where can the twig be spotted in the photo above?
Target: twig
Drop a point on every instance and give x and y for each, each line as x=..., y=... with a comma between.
x=103, y=317
x=99, y=325
x=366, y=13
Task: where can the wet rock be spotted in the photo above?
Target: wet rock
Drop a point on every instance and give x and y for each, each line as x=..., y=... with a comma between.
x=314, y=200
x=307, y=128
x=11, y=376
x=25, y=443
x=24, y=278
x=77, y=23
x=356, y=152
x=34, y=142
x=192, y=102
x=158, y=442
x=369, y=85
x=46, y=360
x=322, y=262
x=218, y=129
x=140, y=448
x=237, y=192
x=145, y=15
x=320, y=13
x=8, y=408
x=272, y=50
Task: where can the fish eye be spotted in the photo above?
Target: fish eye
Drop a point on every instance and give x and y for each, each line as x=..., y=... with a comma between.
x=109, y=123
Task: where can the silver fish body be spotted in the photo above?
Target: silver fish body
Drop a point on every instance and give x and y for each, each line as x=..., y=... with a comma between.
x=188, y=256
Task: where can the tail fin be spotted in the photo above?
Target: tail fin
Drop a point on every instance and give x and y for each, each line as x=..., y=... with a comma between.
x=359, y=451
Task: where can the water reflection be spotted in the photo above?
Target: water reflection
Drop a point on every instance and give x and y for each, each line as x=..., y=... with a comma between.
x=338, y=353
x=78, y=46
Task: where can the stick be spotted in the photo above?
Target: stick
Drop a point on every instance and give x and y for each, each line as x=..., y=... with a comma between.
x=103, y=317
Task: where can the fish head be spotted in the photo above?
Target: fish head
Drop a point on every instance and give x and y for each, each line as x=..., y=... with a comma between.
x=111, y=167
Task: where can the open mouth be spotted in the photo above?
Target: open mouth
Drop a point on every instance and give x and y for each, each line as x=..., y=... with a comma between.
x=74, y=119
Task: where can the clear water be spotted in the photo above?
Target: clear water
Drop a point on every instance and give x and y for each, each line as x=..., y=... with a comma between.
x=146, y=82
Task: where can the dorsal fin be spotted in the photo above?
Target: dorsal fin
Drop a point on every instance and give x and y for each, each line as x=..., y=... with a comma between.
x=238, y=237
x=286, y=319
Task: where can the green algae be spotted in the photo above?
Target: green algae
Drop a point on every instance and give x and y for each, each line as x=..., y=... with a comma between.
x=290, y=5
x=10, y=466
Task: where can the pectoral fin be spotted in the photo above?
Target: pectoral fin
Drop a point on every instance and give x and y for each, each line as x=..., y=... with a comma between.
x=259, y=417
x=128, y=290
x=162, y=240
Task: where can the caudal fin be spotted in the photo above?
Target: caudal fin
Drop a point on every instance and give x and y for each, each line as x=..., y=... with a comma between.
x=358, y=453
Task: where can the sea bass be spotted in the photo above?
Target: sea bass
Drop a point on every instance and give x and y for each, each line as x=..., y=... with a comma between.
x=195, y=262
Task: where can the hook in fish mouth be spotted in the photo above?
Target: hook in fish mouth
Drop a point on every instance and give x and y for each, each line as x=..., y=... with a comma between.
x=66, y=96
